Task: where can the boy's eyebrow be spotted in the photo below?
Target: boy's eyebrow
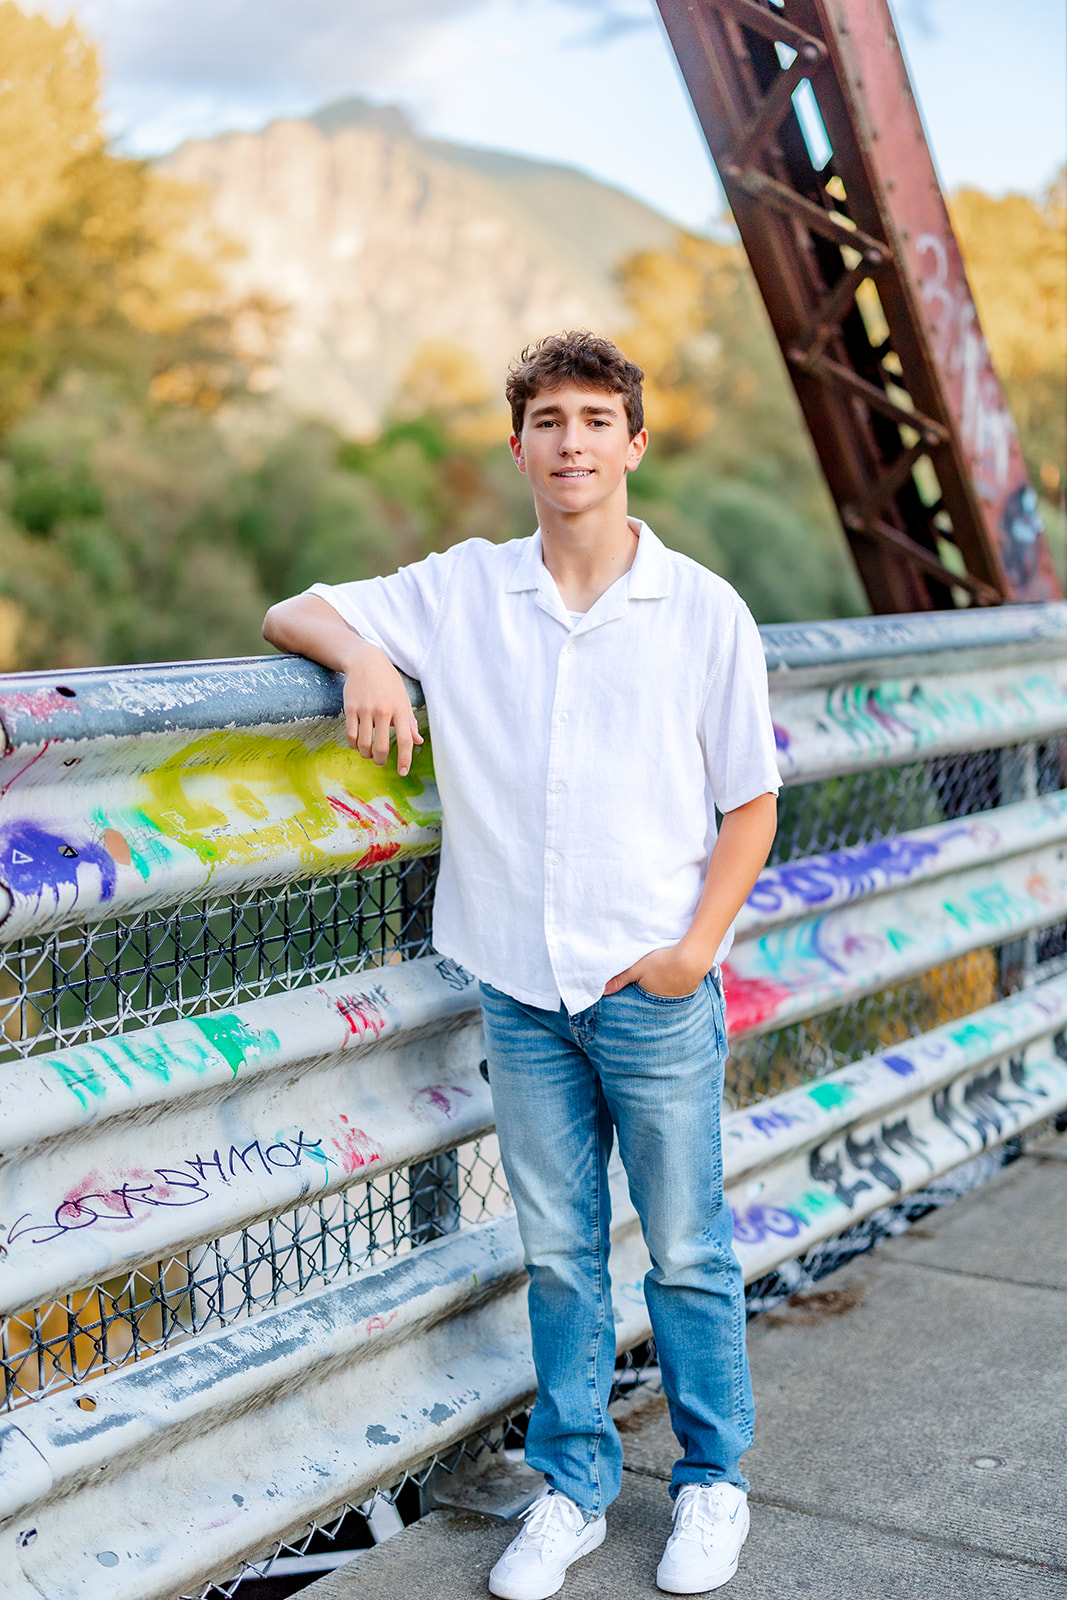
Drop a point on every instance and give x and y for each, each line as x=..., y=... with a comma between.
x=552, y=407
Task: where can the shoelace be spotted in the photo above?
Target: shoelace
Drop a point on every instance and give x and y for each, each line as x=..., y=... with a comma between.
x=546, y=1519
x=698, y=1510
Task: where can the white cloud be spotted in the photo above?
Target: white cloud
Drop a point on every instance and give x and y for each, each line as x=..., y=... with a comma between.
x=590, y=82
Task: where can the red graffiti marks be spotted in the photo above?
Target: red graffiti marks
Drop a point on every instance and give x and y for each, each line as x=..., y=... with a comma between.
x=1039, y=888
x=363, y=1013
x=358, y=814
x=378, y=1323
x=369, y=820
x=42, y=703
x=378, y=853
x=356, y=1148
x=438, y=1100
x=750, y=1001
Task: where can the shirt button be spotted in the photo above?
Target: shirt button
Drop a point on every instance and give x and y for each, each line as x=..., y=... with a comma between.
x=557, y=788
x=568, y=649
x=563, y=716
x=553, y=861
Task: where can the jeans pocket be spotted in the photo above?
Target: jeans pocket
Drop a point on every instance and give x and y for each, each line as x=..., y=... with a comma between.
x=666, y=999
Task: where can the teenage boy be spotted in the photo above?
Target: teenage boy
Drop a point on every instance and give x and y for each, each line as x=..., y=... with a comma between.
x=593, y=698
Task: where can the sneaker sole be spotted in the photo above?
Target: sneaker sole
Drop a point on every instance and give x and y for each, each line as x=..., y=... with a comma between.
x=695, y=1586
x=518, y=1591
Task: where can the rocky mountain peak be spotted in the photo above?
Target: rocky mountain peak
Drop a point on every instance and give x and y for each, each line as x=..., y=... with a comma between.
x=381, y=243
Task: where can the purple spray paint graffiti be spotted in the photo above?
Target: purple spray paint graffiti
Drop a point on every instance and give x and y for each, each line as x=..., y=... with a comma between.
x=32, y=860
x=843, y=873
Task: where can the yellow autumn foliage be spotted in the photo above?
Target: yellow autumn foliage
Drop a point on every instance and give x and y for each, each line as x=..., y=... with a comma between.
x=103, y=262
x=49, y=118
x=1015, y=252
x=677, y=298
x=1016, y=257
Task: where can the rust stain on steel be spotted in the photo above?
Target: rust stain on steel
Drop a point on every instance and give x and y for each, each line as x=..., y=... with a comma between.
x=858, y=265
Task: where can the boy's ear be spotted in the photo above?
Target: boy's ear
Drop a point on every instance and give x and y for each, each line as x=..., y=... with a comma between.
x=638, y=446
x=515, y=445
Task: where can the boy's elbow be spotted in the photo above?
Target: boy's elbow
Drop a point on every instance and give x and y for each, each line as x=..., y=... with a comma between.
x=270, y=626
x=277, y=629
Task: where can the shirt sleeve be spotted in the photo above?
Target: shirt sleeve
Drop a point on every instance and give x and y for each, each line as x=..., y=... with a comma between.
x=399, y=613
x=736, y=731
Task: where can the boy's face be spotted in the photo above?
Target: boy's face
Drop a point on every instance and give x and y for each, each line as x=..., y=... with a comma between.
x=575, y=447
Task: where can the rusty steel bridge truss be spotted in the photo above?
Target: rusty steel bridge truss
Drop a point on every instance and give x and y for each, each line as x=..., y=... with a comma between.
x=812, y=123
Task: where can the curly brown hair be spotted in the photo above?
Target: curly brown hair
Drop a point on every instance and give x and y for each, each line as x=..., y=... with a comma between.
x=580, y=358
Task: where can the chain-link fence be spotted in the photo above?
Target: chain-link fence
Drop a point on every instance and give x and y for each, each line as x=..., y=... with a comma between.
x=86, y=983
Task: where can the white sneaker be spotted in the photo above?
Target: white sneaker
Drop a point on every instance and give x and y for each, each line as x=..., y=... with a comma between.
x=710, y=1526
x=535, y=1563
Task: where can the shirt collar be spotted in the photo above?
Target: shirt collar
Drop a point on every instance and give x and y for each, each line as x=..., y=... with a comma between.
x=647, y=579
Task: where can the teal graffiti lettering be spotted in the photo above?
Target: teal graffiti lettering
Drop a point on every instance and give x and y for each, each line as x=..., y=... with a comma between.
x=831, y=1095
x=234, y=1040
x=958, y=914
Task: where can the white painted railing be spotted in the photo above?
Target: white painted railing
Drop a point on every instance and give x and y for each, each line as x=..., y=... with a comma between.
x=135, y=1140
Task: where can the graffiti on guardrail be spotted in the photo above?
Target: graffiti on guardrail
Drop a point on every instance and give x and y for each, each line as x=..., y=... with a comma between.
x=857, y=723
x=814, y=961
x=880, y=1160
x=118, y=1204
x=220, y=804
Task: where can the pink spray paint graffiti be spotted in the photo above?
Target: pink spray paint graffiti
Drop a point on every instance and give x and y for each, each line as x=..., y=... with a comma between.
x=750, y=1001
x=356, y=1148
x=438, y=1100
x=363, y=1013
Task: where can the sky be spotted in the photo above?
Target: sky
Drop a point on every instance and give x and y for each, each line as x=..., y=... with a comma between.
x=591, y=83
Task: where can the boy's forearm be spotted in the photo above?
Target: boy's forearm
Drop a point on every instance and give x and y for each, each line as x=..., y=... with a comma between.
x=308, y=626
x=740, y=852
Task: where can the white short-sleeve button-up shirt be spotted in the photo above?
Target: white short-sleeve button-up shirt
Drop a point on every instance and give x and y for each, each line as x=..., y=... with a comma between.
x=579, y=763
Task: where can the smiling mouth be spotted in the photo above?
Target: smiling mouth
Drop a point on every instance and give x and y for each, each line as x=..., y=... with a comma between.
x=574, y=472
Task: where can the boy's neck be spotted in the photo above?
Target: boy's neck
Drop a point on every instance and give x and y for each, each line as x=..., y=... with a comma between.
x=588, y=552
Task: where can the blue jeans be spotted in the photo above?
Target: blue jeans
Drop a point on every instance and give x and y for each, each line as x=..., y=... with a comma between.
x=650, y=1069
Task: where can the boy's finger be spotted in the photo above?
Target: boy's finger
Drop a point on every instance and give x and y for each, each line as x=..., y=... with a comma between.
x=382, y=725
x=403, y=749
x=364, y=740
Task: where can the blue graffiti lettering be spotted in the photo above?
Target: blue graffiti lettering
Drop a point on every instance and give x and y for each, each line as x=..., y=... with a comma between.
x=843, y=874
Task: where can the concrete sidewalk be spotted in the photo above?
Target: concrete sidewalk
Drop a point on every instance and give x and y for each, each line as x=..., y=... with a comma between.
x=911, y=1432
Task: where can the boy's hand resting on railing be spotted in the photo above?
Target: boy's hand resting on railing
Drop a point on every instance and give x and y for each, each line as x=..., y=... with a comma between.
x=375, y=698
x=376, y=702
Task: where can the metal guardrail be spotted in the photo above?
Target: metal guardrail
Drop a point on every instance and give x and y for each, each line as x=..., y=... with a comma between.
x=233, y=1073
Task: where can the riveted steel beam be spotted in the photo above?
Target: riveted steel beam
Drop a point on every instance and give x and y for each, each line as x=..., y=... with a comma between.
x=858, y=333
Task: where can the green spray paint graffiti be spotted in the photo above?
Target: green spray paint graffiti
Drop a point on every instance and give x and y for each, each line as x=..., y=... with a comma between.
x=93, y=1071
